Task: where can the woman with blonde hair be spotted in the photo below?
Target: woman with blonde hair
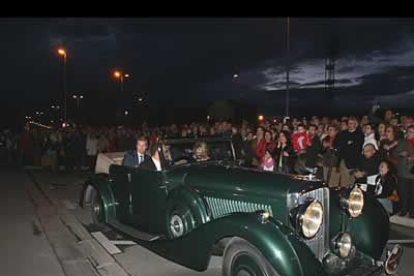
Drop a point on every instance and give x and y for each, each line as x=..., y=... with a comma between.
x=201, y=152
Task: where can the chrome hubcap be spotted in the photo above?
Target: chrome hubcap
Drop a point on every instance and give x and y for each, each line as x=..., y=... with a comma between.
x=96, y=208
x=243, y=273
x=176, y=226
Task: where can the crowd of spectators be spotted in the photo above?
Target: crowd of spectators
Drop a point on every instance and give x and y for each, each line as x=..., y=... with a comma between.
x=341, y=151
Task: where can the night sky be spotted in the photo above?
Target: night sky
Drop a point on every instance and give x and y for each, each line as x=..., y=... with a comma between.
x=197, y=58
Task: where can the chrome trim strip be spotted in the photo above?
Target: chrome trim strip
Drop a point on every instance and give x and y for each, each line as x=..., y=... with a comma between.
x=220, y=206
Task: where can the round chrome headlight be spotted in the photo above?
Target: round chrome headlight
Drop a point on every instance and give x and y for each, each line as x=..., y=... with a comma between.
x=355, y=202
x=343, y=245
x=311, y=219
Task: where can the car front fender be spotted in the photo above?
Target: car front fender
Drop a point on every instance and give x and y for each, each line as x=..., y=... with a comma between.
x=102, y=186
x=280, y=246
x=192, y=200
x=371, y=229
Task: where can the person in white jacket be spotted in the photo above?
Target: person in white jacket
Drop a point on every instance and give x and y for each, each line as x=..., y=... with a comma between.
x=92, y=149
x=370, y=136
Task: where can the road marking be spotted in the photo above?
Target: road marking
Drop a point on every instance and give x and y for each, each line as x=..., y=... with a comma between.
x=107, y=244
x=68, y=205
x=404, y=221
x=401, y=241
x=124, y=242
x=110, y=246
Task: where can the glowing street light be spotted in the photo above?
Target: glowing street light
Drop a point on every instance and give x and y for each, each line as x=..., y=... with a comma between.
x=77, y=98
x=235, y=76
x=260, y=117
x=62, y=52
x=117, y=74
x=121, y=75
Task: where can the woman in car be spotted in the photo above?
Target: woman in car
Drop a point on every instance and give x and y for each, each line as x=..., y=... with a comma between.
x=201, y=152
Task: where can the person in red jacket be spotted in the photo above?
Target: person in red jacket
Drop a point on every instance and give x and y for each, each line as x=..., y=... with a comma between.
x=300, y=139
x=153, y=138
x=112, y=142
x=25, y=146
x=270, y=143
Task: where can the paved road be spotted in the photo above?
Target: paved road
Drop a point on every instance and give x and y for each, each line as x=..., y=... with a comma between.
x=24, y=249
x=138, y=261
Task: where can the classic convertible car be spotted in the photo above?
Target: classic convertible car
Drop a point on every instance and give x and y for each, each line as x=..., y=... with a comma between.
x=263, y=223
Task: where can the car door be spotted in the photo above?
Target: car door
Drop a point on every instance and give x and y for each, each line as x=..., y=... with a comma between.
x=120, y=177
x=149, y=194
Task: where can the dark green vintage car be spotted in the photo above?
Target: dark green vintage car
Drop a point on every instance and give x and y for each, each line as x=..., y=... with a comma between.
x=262, y=223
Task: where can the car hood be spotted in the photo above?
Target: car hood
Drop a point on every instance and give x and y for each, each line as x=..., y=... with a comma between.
x=234, y=179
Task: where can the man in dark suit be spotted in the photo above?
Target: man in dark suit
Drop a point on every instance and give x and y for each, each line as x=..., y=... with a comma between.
x=153, y=163
x=133, y=158
x=349, y=147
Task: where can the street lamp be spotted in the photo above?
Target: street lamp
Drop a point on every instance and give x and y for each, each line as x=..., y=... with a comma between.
x=77, y=98
x=62, y=52
x=287, y=66
x=120, y=75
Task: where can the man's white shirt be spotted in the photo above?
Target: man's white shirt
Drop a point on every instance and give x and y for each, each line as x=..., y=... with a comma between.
x=141, y=158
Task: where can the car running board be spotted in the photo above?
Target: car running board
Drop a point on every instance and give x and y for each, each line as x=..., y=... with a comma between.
x=133, y=232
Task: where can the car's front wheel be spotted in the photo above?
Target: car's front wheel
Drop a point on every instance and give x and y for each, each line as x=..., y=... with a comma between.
x=97, y=210
x=241, y=258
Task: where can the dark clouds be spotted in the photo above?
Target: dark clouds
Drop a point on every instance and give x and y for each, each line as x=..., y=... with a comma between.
x=196, y=58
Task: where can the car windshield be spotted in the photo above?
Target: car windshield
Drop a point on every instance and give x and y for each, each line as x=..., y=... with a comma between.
x=195, y=151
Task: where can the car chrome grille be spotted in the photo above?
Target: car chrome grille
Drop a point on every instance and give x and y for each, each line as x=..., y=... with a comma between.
x=220, y=207
x=320, y=243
